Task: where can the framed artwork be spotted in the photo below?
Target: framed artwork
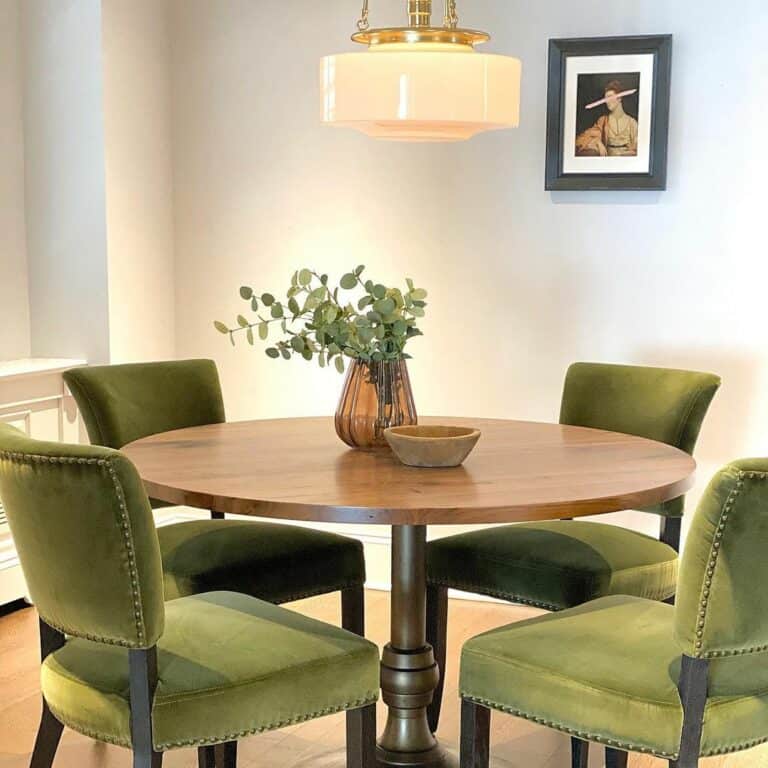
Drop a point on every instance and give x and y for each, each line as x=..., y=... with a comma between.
x=608, y=113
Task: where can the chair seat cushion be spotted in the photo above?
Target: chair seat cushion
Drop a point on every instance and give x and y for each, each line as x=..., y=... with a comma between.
x=554, y=565
x=273, y=562
x=608, y=671
x=228, y=666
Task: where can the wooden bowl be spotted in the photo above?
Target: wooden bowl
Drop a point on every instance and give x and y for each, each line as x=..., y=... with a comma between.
x=432, y=446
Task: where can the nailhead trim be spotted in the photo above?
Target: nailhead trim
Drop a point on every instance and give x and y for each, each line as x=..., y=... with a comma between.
x=315, y=593
x=478, y=590
x=27, y=458
x=584, y=735
x=371, y=698
x=138, y=610
x=715, y=751
x=710, y=573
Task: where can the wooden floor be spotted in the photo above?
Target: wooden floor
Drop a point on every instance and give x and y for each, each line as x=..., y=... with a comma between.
x=318, y=744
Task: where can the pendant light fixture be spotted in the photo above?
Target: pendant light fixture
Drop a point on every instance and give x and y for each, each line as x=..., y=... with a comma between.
x=420, y=83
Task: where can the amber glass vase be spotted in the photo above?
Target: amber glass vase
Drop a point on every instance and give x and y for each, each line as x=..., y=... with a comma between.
x=376, y=396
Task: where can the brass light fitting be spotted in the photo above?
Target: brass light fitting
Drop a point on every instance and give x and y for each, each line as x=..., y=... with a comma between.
x=419, y=29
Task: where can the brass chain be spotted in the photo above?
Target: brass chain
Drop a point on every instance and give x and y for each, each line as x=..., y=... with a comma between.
x=363, y=23
x=451, y=14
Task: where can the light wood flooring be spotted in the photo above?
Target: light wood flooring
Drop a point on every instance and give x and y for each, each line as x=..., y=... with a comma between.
x=317, y=744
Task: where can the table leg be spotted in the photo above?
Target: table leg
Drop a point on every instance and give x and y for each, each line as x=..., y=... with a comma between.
x=409, y=674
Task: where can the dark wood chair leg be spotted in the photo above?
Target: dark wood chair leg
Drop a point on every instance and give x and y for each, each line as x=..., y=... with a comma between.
x=47, y=741
x=142, y=675
x=475, y=735
x=206, y=757
x=226, y=755
x=217, y=516
x=361, y=737
x=353, y=610
x=615, y=758
x=579, y=753
x=437, y=637
x=693, y=686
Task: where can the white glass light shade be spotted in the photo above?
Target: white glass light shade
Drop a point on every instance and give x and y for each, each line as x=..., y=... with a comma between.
x=421, y=91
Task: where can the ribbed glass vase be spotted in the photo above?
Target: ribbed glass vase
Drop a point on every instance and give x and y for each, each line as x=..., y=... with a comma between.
x=376, y=396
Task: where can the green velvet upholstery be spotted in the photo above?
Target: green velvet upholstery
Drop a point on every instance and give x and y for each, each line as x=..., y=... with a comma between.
x=229, y=666
x=608, y=670
x=563, y=564
x=86, y=539
x=661, y=404
x=279, y=563
x=723, y=597
x=123, y=403
x=555, y=565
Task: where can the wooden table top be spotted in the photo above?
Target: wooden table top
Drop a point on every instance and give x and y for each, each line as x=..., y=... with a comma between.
x=298, y=469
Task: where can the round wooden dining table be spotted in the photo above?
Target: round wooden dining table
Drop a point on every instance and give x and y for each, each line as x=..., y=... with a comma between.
x=297, y=469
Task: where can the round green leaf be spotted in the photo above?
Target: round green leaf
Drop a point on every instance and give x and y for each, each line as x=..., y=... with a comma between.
x=307, y=354
x=293, y=306
x=273, y=353
x=379, y=291
x=267, y=299
x=242, y=322
x=246, y=293
x=220, y=327
x=400, y=328
x=263, y=331
x=366, y=334
x=277, y=310
x=359, y=271
x=285, y=353
x=305, y=277
x=419, y=294
x=385, y=306
x=348, y=282
x=298, y=344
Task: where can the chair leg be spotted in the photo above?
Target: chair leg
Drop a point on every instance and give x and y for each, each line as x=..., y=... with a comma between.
x=142, y=675
x=437, y=637
x=475, y=735
x=361, y=737
x=206, y=757
x=579, y=753
x=353, y=610
x=144, y=759
x=47, y=741
x=615, y=758
x=226, y=755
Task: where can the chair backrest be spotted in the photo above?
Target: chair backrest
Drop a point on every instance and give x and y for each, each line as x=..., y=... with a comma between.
x=83, y=528
x=123, y=403
x=661, y=404
x=722, y=600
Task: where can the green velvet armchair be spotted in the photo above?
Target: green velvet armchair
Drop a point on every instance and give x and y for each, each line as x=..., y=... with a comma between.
x=561, y=564
x=679, y=682
x=274, y=562
x=124, y=667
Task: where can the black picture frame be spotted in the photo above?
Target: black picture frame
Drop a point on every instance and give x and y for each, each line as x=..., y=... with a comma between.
x=560, y=51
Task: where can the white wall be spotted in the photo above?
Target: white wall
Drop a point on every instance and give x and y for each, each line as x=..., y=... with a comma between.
x=522, y=281
x=139, y=180
x=65, y=188
x=14, y=294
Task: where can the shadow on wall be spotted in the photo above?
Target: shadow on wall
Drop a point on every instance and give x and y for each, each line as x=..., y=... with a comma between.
x=725, y=435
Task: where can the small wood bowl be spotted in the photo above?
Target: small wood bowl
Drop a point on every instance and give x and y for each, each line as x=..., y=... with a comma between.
x=432, y=446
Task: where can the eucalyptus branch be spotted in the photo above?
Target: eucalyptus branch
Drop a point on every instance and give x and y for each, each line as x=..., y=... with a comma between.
x=375, y=328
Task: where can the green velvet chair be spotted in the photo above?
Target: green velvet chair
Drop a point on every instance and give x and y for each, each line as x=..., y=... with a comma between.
x=274, y=562
x=679, y=682
x=126, y=668
x=561, y=564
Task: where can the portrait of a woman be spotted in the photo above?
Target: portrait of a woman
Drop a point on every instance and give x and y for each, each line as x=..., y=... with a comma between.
x=614, y=133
